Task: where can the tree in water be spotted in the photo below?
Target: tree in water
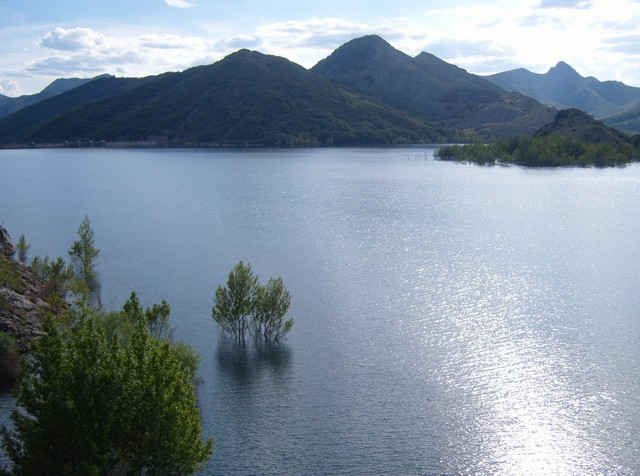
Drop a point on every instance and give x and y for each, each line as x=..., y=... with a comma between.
x=243, y=306
x=102, y=395
x=235, y=303
x=23, y=249
x=83, y=254
x=272, y=304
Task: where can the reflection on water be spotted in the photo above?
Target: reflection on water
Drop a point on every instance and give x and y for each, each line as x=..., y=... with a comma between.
x=247, y=363
x=450, y=319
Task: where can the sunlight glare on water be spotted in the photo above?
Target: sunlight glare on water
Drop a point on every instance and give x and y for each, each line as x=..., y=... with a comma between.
x=449, y=319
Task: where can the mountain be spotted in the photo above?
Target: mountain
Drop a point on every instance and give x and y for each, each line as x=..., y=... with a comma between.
x=578, y=125
x=430, y=88
x=21, y=126
x=9, y=105
x=247, y=98
x=563, y=87
x=627, y=121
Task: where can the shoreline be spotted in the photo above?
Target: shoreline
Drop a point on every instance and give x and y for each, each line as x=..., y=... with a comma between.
x=146, y=145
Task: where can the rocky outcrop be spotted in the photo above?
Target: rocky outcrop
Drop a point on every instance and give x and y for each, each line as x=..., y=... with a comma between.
x=22, y=307
x=6, y=246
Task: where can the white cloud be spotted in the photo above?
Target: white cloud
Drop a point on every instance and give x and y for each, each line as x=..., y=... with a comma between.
x=565, y=3
x=86, y=63
x=8, y=87
x=81, y=51
x=179, y=3
x=482, y=38
x=72, y=39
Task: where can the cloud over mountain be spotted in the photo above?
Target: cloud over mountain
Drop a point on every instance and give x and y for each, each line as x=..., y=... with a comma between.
x=72, y=39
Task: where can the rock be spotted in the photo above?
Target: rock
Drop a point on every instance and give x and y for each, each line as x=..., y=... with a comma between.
x=6, y=246
x=22, y=307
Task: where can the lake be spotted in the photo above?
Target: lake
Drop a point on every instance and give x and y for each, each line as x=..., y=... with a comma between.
x=449, y=318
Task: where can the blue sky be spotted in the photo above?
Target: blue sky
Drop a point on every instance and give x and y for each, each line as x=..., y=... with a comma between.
x=42, y=40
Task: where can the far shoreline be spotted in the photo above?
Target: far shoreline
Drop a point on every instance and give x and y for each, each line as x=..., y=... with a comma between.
x=145, y=145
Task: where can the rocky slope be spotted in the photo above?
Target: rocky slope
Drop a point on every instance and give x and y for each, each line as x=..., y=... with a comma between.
x=22, y=308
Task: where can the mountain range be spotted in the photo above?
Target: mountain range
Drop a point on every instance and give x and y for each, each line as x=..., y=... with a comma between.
x=365, y=92
x=247, y=98
x=563, y=87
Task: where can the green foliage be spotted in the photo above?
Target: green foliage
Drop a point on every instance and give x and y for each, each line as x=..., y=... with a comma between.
x=83, y=254
x=9, y=360
x=156, y=317
x=235, y=303
x=547, y=151
x=9, y=277
x=244, y=306
x=246, y=99
x=272, y=303
x=96, y=399
x=9, y=105
x=56, y=275
x=23, y=248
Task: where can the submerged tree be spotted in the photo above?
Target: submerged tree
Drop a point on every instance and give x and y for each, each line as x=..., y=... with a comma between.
x=272, y=304
x=244, y=306
x=235, y=303
x=83, y=254
x=105, y=396
x=23, y=249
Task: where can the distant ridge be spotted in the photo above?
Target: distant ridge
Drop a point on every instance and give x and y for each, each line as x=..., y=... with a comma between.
x=432, y=88
x=9, y=105
x=563, y=87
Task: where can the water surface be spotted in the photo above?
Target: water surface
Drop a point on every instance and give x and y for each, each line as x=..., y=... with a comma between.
x=449, y=318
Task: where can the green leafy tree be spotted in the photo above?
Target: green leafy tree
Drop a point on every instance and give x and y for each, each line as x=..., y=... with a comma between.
x=272, y=304
x=94, y=401
x=156, y=317
x=244, y=306
x=83, y=254
x=57, y=277
x=23, y=249
x=235, y=303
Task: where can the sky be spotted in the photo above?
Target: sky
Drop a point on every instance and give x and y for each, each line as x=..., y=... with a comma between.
x=41, y=40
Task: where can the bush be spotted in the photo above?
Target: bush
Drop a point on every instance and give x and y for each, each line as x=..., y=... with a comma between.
x=9, y=360
x=547, y=151
x=96, y=399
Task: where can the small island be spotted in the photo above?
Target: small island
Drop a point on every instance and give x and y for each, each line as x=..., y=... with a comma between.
x=574, y=138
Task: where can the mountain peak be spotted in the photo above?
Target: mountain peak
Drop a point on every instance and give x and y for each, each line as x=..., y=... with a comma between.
x=369, y=40
x=365, y=46
x=564, y=69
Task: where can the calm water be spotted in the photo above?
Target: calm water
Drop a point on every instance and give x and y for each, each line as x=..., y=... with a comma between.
x=449, y=318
